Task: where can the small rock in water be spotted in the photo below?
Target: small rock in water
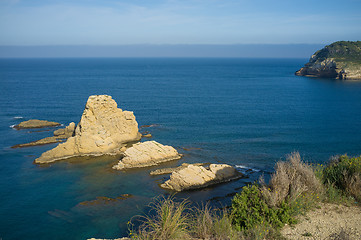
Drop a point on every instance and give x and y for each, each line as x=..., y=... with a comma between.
x=148, y=135
x=59, y=135
x=34, y=123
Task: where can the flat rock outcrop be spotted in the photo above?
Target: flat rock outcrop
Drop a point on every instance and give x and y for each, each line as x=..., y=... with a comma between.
x=103, y=129
x=147, y=154
x=173, y=169
x=59, y=136
x=35, y=123
x=193, y=177
x=339, y=60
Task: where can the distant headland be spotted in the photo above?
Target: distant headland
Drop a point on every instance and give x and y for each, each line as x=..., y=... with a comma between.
x=339, y=60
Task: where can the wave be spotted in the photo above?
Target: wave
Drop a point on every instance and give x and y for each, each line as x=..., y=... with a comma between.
x=12, y=126
x=18, y=117
x=247, y=169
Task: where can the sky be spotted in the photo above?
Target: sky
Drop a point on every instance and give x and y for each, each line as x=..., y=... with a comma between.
x=177, y=22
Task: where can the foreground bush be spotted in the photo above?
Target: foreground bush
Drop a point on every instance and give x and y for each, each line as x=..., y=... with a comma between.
x=291, y=180
x=249, y=209
x=293, y=188
x=344, y=173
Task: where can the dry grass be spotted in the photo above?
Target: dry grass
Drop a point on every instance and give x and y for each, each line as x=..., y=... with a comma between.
x=177, y=220
x=353, y=185
x=213, y=224
x=291, y=179
x=169, y=221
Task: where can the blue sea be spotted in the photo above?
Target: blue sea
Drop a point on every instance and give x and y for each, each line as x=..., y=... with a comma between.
x=249, y=113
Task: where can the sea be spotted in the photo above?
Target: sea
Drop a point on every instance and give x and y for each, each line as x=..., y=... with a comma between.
x=249, y=113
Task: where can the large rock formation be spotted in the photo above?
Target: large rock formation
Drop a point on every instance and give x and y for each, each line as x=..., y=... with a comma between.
x=59, y=136
x=103, y=129
x=35, y=123
x=193, y=177
x=147, y=154
x=340, y=60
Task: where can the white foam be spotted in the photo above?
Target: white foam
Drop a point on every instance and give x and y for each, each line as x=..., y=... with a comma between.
x=18, y=117
x=247, y=168
x=240, y=166
x=12, y=126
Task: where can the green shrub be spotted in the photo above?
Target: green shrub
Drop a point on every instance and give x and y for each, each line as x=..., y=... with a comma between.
x=344, y=173
x=249, y=210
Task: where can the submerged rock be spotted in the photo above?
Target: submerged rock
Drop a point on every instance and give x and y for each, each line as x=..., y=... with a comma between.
x=105, y=200
x=35, y=123
x=103, y=129
x=147, y=154
x=147, y=135
x=59, y=135
x=193, y=177
x=44, y=141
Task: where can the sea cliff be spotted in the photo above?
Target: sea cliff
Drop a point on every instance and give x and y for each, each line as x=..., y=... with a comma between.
x=339, y=60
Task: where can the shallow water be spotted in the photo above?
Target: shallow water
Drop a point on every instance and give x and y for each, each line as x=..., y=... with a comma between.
x=245, y=112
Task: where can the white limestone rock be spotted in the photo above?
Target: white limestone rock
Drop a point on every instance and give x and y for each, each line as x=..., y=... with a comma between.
x=146, y=154
x=103, y=129
x=193, y=177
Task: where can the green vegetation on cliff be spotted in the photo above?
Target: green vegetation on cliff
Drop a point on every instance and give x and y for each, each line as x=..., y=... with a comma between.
x=340, y=60
x=341, y=51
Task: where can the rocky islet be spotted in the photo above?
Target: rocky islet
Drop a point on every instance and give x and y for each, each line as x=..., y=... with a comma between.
x=103, y=129
x=195, y=176
x=147, y=154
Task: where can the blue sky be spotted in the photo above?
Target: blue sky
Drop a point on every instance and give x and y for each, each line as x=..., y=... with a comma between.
x=110, y=22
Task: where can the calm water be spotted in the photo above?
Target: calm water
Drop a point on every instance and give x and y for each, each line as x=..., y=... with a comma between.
x=244, y=112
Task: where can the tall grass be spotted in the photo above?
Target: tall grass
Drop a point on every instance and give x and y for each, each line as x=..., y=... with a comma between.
x=168, y=220
x=213, y=224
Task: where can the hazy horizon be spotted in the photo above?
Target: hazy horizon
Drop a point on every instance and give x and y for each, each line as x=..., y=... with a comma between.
x=163, y=50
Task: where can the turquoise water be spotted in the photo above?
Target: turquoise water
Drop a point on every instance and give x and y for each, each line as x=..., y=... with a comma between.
x=245, y=112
